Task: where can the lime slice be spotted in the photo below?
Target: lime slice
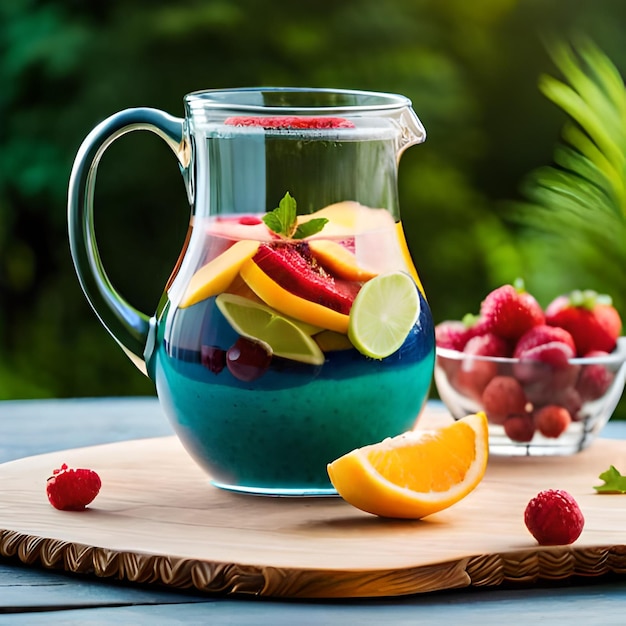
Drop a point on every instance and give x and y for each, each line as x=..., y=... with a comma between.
x=383, y=314
x=286, y=337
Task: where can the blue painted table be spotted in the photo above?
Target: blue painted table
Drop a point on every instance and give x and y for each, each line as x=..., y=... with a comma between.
x=37, y=596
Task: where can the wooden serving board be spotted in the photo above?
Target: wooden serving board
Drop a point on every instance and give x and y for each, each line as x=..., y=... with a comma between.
x=157, y=520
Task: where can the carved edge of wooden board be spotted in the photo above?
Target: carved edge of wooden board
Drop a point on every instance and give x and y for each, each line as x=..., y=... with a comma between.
x=521, y=567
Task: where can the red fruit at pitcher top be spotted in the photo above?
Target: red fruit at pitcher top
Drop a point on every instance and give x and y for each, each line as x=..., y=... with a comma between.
x=591, y=319
x=554, y=518
x=289, y=122
x=510, y=311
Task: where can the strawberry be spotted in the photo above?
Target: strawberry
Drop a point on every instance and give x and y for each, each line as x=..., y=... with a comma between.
x=552, y=420
x=510, y=311
x=72, y=489
x=591, y=319
x=554, y=518
x=289, y=122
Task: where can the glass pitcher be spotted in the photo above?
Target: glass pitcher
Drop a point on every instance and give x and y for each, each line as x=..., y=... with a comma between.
x=294, y=327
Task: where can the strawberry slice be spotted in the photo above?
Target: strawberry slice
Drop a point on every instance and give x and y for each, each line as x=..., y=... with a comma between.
x=286, y=122
x=287, y=278
x=293, y=268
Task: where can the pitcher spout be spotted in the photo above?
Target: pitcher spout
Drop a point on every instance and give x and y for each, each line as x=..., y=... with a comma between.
x=412, y=131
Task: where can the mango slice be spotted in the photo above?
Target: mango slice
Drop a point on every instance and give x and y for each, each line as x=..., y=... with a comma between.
x=215, y=277
x=338, y=260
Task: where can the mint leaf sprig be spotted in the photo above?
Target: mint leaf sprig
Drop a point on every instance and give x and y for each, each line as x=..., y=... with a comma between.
x=283, y=221
x=614, y=482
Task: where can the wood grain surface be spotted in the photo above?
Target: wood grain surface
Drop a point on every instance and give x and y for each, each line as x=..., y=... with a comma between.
x=157, y=520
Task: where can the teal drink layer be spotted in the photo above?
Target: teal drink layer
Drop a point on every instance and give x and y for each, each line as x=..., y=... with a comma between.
x=276, y=434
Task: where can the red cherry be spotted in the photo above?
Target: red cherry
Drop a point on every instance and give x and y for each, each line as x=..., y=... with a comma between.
x=247, y=360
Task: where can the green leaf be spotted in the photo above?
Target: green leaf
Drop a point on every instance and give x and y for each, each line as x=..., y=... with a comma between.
x=578, y=204
x=283, y=221
x=306, y=229
x=614, y=482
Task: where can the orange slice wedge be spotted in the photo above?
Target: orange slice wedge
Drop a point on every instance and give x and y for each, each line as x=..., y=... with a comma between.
x=338, y=260
x=215, y=277
x=289, y=304
x=417, y=473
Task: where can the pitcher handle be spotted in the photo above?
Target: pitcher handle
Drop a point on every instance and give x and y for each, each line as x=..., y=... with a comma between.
x=128, y=326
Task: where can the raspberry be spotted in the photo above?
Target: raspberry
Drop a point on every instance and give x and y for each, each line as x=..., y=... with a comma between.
x=520, y=428
x=213, y=358
x=552, y=420
x=542, y=334
x=554, y=353
x=503, y=396
x=452, y=334
x=72, y=489
x=569, y=399
x=594, y=379
x=554, y=518
x=487, y=344
x=250, y=220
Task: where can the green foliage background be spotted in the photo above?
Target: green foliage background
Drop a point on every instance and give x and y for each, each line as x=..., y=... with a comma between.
x=470, y=68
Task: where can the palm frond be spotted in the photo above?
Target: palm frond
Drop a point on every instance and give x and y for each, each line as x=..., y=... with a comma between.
x=580, y=200
x=595, y=99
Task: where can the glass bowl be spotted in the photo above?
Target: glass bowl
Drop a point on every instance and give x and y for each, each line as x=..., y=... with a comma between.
x=514, y=394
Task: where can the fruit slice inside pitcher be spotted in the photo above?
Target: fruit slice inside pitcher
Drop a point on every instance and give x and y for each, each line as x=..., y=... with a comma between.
x=286, y=337
x=283, y=290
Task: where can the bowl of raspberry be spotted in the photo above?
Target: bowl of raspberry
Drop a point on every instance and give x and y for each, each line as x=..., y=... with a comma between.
x=547, y=379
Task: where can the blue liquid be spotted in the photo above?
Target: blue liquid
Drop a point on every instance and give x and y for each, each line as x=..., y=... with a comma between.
x=276, y=434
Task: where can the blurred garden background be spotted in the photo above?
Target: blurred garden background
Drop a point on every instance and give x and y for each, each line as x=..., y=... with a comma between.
x=469, y=195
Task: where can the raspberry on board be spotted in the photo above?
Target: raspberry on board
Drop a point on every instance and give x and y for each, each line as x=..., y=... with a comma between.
x=72, y=489
x=554, y=518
